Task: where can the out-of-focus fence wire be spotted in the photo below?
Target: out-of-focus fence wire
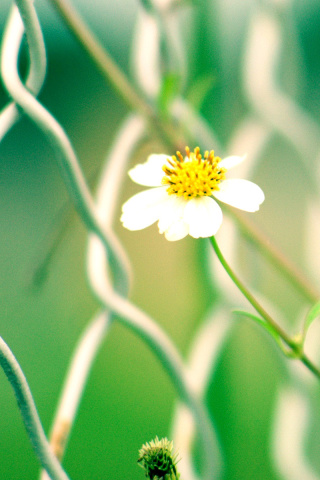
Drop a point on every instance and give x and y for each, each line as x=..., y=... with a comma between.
x=105, y=250
x=158, y=49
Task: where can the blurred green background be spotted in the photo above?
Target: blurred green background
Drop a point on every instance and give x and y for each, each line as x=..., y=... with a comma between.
x=129, y=400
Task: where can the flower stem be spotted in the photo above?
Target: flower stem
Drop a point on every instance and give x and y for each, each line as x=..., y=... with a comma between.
x=169, y=134
x=263, y=313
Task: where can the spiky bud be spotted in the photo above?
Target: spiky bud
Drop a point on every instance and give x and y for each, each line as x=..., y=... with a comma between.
x=158, y=460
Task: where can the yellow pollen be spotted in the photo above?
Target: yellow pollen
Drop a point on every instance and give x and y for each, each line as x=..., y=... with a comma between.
x=194, y=175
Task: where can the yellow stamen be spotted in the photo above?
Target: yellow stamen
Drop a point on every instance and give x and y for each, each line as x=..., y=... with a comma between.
x=193, y=176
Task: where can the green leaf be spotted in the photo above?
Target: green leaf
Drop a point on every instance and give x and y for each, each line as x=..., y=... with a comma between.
x=199, y=90
x=313, y=313
x=265, y=325
x=169, y=89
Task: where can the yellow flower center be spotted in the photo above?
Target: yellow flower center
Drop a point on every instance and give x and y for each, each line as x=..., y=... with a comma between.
x=194, y=175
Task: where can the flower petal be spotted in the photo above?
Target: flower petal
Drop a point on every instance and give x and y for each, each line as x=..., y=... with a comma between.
x=171, y=212
x=204, y=217
x=232, y=161
x=171, y=218
x=143, y=209
x=241, y=194
x=177, y=231
x=150, y=173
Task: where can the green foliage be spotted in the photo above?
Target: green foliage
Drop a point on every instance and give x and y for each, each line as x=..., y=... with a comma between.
x=312, y=315
x=265, y=325
x=200, y=89
x=168, y=92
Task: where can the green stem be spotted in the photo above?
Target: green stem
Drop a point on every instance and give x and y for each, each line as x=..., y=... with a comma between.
x=264, y=314
x=29, y=413
x=170, y=136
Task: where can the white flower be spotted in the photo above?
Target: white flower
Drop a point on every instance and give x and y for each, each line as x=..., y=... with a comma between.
x=181, y=198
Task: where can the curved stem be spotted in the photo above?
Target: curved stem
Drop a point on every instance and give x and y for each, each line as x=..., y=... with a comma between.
x=170, y=136
x=259, y=308
x=29, y=413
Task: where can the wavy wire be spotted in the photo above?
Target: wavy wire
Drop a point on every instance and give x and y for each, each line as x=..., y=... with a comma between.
x=8, y=117
x=94, y=335
x=37, y=71
x=273, y=110
x=102, y=287
x=103, y=242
